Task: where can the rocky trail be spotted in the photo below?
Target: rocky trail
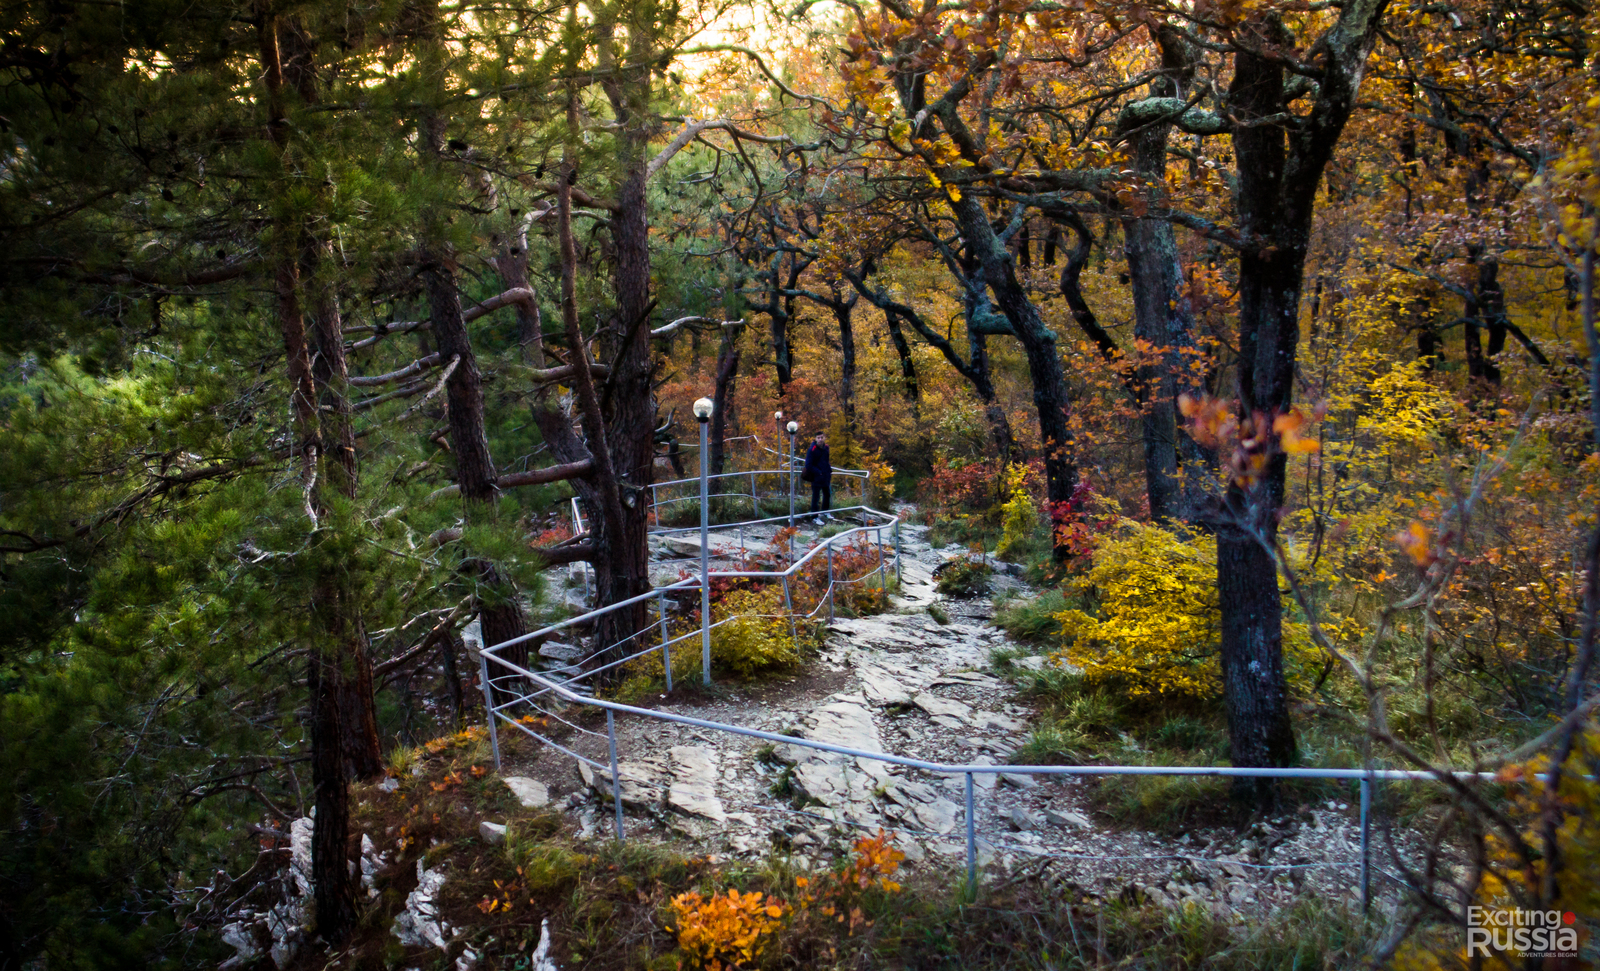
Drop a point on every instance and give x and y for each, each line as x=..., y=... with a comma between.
x=905, y=684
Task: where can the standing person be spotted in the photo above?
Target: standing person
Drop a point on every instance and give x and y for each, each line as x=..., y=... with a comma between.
x=819, y=472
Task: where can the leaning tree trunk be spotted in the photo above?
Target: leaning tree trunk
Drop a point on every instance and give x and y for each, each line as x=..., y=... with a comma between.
x=908, y=368
x=499, y=611
x=1050, y=399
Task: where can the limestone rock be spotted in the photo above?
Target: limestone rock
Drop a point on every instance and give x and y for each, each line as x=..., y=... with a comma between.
x=238, y=937
x=557, y=651
x=1021, y=820
x=420, y=924
x=492, y=832
x=644, y=781
x=1068, y=820
x=532, y=793
x=931, y=810
x=936, y=707
x=693, y=788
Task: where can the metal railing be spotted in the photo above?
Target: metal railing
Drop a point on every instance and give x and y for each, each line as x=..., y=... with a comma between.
x=786, y=485
x=519, y=687
x=1364, y=777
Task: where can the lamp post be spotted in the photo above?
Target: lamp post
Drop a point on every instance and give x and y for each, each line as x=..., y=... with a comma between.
x=794, y=426
x=702, y=412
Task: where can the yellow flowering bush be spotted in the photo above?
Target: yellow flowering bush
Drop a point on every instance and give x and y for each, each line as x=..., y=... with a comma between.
x=1159, y=624
x=757, y=638
x=1019, y=514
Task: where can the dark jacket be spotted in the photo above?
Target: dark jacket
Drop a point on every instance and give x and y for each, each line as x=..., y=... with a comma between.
x=818, y=466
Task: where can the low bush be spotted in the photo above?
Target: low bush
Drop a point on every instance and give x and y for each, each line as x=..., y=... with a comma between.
x=757, y=638
x=1156, y=625
x=964, y=577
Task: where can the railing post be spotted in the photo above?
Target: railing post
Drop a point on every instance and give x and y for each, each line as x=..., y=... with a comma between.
x=972, y=844
x=755, y=505
x=488, y=706
x=1366, y=844
x=899, y=572
x=616, y=777
x=666, y=650
x=788, y=604
x=705, y=565
x=883, y=581
x=830, y=581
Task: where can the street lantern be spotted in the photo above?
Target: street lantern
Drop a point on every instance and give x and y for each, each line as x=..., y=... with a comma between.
x=702, y=412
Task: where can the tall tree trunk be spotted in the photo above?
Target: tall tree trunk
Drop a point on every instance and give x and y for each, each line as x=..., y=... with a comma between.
x=333, y=885
x=727, y=376
x=1259, y=730
x=499, y=611
x=341, y=472
x=842, y=311
x=1162, y=319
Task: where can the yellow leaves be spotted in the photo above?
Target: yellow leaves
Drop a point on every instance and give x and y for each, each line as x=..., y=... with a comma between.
x=1159, y=622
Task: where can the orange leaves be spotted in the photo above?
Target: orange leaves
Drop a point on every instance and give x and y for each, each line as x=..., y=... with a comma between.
x=1250, y=443
x=504, y=898
x=1288, y=429
x=730, y=929
x=450, y=781
x=1210, y=419
x=1417, y=540
x=726, y=930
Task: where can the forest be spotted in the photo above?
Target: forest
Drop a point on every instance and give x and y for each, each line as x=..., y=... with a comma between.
x=1241, y=354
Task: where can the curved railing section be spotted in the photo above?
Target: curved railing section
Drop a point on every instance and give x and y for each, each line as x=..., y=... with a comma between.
x=513, y=690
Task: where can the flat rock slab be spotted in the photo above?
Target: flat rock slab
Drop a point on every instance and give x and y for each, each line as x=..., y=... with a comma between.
x=936, y=706
x=557, y=651
x=882, y=687
x=931, y=810
x=840, y=787
x=532, y=793
x=693, y=789
x=644, y=782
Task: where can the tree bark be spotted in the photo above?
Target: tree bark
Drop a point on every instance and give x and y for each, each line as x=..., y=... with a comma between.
x=334, y=887
x=1050, y=399
x=1279, y=172
x=842, y=310
x=341, y=472
x=727, y=376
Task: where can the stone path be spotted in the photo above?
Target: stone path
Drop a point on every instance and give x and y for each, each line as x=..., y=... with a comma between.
x=905, y=684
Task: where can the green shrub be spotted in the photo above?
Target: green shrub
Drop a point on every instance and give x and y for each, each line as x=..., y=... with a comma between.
x=965, y=577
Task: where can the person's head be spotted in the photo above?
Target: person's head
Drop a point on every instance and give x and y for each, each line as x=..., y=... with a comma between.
x=822, y=439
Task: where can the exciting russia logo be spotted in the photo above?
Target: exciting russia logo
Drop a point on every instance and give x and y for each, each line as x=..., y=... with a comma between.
x=1521, y=933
